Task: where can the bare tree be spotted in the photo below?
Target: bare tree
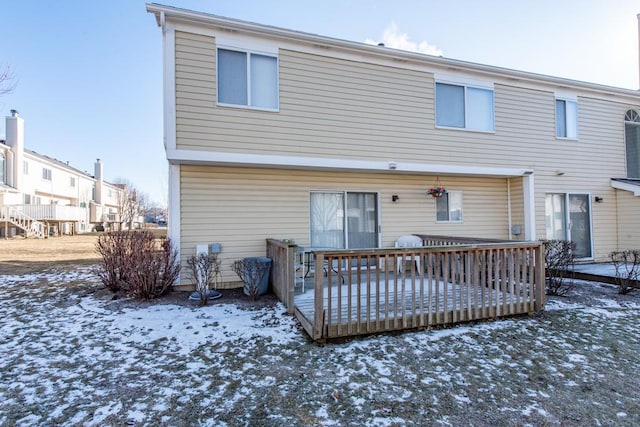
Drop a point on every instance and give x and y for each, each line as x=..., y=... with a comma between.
x=8, y=80
x=131, y=203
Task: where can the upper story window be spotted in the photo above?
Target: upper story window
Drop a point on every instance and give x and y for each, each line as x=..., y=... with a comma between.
x=72, y=181
x=449, y=207
x=46, y=174
x=566, y=117
x=25, y=167
x=632, y=143
x=247, y=79
x=465, y=105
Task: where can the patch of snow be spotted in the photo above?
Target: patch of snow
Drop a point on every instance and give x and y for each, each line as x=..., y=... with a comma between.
x=577, y=358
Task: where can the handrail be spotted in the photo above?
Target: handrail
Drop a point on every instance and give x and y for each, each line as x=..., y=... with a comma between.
x=31, y=226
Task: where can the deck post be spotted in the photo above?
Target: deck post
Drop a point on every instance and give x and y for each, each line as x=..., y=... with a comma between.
x=318, y=295
x=540, y=279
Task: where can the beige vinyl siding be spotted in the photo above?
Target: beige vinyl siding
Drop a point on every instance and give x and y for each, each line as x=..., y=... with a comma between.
x=337, y=108
x=333, y=107
x=195, y=73
x=628, y=220
x=241, y=207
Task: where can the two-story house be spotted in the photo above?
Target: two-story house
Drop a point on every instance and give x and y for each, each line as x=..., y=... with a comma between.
x=271, y=132
x=41, y=196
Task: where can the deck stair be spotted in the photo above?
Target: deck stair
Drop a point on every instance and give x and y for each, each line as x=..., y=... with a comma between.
x=31, y=226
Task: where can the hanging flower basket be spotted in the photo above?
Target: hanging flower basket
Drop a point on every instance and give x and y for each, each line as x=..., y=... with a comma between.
x=436, y=192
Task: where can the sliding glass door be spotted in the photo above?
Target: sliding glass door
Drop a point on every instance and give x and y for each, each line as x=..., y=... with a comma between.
x=568, y=217
x=345, y=220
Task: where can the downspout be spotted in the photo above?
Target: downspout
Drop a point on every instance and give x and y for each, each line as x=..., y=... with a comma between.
x=529, y=206
x=509, y=207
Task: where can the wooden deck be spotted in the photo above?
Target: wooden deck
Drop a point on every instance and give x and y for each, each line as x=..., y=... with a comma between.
x=364, y=294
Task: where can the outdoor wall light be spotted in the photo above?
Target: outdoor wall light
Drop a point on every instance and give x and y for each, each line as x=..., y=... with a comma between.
x=599, y=199
x=395, y=198
x=393, y=165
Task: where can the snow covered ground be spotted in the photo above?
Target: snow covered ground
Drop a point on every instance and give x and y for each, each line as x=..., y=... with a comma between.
x=68, y=357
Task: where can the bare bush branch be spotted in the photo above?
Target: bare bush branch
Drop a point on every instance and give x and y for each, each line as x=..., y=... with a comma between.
x=205, y=270
x=112, y=247
x=559, y=258
x=135, y=263
x=627, y=265
x=250, y=271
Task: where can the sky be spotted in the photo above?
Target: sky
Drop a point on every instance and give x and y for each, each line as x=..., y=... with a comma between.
x=88, y=73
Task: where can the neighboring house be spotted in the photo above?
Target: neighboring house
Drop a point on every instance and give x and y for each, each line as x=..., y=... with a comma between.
x=41, y=196
x=276, y=133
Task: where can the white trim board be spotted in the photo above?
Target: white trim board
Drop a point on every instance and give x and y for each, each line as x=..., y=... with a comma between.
x=197, y=157
x=635, y=189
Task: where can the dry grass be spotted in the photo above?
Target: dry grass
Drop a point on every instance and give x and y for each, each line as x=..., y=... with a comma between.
x=22, y=256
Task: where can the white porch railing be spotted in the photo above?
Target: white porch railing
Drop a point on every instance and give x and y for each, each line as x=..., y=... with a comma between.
x=53, y=212
x=111, y=217
x=31, y=226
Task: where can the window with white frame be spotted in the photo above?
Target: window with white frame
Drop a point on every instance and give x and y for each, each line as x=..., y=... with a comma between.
x=46, y=174
x=25, y=167
x=26, y=199
x=449, y=207
x=632, y=143
x=72, y=181
x=464, y=106
x=566, y=118
x=247, y=79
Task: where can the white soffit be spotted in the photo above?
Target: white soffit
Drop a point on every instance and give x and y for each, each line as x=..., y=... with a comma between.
x=196, y=157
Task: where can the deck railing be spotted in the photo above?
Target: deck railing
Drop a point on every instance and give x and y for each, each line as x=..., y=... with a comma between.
x=434, y=240
x=282, y=275
x=53, y=212
x=361, y=291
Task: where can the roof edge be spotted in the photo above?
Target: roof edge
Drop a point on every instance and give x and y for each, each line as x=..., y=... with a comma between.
x=163, y=12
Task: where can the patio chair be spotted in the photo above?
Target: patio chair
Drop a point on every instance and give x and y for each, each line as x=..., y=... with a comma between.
x=408, y=241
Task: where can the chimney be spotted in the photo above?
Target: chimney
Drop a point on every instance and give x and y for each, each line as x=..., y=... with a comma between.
x=99, y=181
x=15, y=140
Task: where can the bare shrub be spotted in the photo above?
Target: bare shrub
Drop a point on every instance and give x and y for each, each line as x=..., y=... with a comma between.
x=251, y=272
x=204, y=269
x=559, y=258
x=135, y=263
x=627, y=265
x=113, y=249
